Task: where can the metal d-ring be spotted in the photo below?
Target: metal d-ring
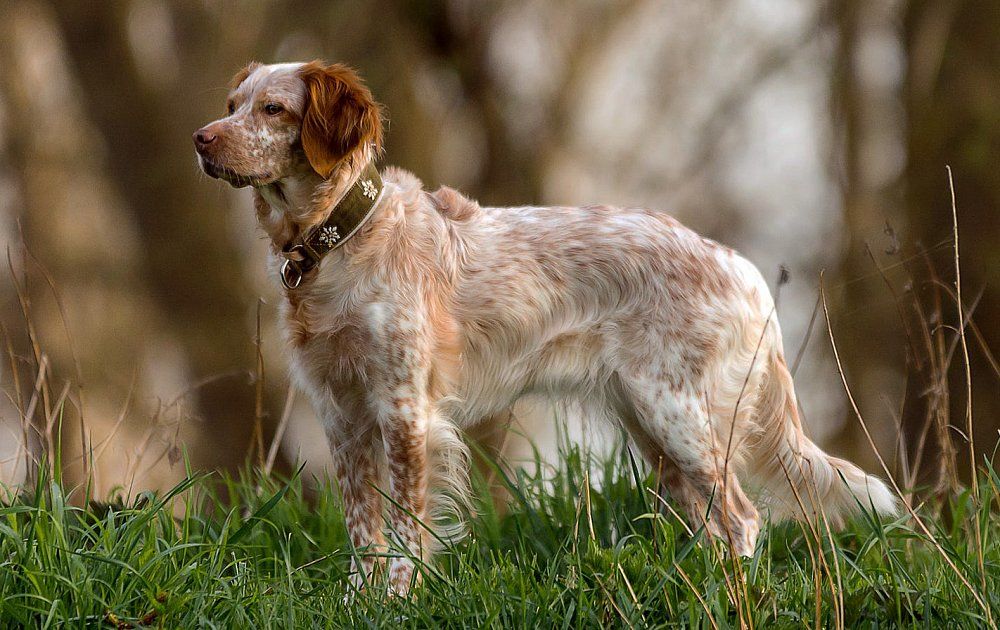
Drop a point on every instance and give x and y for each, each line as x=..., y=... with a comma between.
x=291, y=275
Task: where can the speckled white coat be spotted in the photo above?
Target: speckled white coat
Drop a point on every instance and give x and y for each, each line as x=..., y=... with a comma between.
x=440, y=314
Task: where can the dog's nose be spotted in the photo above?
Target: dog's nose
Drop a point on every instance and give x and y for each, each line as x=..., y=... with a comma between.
x=203, y=138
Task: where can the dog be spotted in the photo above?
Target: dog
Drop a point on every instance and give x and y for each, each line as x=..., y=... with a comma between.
x=412, y=317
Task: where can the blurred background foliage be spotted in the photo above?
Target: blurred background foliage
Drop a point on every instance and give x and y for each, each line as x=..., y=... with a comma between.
x=812, y=136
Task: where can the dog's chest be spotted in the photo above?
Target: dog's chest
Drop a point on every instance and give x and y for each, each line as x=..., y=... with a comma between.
x=331, y=347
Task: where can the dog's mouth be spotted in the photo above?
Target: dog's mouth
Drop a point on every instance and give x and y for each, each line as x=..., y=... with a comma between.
x=237, y=180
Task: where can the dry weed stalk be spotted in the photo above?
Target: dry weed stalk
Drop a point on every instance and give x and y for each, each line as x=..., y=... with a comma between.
x=973, y=472
x=885, y=469
x=257, y=444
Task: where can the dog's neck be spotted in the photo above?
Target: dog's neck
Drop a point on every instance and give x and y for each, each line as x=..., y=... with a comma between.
x=294, y=205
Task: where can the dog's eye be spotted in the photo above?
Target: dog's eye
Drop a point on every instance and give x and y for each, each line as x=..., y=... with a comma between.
x=273, y=109
x=230, y=107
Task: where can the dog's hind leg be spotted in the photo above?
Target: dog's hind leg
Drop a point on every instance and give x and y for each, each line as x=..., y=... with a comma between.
x=672, y=428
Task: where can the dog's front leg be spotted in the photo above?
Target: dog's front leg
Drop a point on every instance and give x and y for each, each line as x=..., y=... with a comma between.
x=405, y=438
x=404, y=418
x=357, y=475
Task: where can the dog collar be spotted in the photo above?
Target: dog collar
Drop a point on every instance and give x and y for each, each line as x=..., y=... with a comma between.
x=344, y=221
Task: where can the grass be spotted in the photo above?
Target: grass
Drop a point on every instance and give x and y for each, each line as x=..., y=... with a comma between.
x=255, y=552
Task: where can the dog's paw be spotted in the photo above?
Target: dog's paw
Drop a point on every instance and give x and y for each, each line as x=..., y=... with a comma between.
x=402, y=575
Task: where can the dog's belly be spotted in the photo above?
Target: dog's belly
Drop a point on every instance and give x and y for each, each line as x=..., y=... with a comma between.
x=567, y=365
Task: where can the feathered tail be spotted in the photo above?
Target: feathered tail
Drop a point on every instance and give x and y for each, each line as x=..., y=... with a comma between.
x=799, y=479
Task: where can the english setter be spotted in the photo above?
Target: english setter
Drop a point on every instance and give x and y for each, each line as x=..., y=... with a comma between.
x=412, y=316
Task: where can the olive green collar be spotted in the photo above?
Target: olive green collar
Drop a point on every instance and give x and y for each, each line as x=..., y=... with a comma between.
x=344, y=221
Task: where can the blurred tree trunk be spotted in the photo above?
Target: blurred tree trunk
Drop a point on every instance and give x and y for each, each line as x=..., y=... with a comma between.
x=866, y=326
x=188, y=260
x=87, y=306
x=512, y=172
x=953, y=113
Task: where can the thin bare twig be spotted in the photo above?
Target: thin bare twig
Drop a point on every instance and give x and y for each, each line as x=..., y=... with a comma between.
x=258, y=418
x=279, y=432
x=885, y=469
x=72, y=353
x=974, y=477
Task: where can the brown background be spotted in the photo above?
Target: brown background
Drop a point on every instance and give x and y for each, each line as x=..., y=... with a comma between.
x=809, y=135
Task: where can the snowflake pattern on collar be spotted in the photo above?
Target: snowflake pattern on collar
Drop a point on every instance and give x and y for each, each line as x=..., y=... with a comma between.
x=368, y=189
x=328, y=235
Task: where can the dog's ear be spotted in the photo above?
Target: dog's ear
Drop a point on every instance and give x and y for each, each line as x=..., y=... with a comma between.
x=340, y=116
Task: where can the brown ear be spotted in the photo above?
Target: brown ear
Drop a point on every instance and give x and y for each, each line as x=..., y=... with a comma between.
x=340, y=116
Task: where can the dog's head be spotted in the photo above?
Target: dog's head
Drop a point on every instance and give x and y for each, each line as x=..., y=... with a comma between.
x=289, y=120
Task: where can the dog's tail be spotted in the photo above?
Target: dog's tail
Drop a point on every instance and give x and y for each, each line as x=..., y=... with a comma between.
x=798, y=479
